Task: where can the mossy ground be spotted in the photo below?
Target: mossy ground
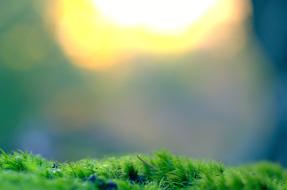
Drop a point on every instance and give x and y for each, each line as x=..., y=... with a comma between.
x=162, y=170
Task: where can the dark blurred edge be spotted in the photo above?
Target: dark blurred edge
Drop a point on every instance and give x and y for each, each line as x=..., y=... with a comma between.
x=270, y=28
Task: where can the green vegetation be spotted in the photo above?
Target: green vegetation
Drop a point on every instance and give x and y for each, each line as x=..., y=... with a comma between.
x=162, y=170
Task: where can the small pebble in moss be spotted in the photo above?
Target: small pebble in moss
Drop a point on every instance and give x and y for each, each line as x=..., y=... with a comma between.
x=137, y=179
x=92, y=178
x=141, y=179
x=100, y=183
x=55, y=165
x=111, y=186
x=55, y=168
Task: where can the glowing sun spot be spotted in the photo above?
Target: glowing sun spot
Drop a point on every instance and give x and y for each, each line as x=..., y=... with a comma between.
x=97, y=34
x=157, y=15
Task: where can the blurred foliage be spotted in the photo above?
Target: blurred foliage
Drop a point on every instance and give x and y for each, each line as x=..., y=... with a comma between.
x=31, y=65
x=204, y=103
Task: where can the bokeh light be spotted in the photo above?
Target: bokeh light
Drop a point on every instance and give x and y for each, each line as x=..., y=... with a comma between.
x=98, y=34
x=87, y=78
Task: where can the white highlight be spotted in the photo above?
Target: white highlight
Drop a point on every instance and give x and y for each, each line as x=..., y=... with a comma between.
x=156, y=15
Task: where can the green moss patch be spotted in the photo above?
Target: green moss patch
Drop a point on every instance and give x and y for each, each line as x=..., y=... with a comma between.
x=161, y=170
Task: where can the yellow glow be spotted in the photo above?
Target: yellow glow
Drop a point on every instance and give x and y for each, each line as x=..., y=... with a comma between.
x=157, y=15
x=97, y=34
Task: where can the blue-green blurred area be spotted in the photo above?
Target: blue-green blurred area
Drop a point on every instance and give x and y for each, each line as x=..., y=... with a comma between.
x=204, y=104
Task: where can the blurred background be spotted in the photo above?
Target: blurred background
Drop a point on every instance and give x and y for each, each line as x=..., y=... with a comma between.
x=88, y=78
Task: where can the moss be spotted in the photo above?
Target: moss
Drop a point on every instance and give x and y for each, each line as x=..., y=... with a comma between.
x=162, y=170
